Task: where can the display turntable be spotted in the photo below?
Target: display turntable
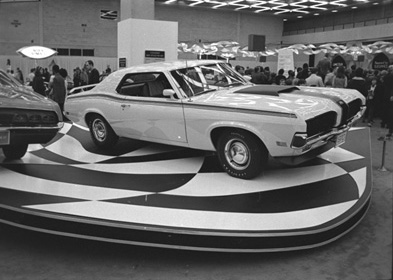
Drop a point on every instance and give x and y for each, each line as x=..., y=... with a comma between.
x=155, y=195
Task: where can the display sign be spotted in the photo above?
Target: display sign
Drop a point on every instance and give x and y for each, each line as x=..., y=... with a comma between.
x=380, y=62
x=122, y=62
x=154, y=56
x=285, y=60
x=36, y=52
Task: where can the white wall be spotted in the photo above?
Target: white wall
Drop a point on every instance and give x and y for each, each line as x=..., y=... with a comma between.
x=375, y=32
x=137, y=35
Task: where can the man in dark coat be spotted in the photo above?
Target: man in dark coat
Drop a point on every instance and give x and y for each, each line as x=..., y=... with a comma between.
x=93, y=74
x=58, y=87
x=323, y=66
x=388, y=85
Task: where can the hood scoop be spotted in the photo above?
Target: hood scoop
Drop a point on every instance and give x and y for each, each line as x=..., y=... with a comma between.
x=267, y=90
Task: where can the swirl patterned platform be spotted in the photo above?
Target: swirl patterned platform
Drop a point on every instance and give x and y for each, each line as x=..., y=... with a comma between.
x=156, y=195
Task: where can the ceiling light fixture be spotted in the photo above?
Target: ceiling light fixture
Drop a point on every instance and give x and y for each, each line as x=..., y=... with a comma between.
x=277, y=7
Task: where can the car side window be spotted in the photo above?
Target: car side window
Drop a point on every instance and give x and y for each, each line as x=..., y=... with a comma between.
x=143, y=84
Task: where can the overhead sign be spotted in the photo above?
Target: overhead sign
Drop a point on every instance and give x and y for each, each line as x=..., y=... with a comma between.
x=154, y=56
x=36, y=52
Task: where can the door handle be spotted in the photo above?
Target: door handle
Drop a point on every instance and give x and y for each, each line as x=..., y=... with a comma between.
x=125, y=105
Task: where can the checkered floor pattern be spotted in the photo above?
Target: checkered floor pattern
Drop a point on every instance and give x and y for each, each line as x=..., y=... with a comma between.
x=158, y=185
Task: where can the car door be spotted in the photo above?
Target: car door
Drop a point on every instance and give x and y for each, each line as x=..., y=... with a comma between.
x=147, y=115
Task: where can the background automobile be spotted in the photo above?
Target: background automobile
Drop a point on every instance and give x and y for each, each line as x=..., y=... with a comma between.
x=26, y=117
x=207, y=105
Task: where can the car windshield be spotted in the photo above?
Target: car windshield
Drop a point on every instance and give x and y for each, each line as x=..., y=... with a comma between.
x=205, y=78
x=8, y=80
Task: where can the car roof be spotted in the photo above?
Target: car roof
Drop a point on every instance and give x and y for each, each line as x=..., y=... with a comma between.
x=167, y=66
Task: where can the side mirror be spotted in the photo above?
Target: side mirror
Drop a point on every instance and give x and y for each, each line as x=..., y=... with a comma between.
x=169, y=93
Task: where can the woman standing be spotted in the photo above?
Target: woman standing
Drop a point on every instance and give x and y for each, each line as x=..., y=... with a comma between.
x=340, y=80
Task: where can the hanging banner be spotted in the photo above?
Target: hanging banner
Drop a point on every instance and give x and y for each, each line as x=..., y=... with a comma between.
x=285, y=60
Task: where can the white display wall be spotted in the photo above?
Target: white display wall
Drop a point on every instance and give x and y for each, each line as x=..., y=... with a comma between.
x=135, y=36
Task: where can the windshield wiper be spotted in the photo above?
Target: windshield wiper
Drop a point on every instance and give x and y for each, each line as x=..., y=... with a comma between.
x=205, y=91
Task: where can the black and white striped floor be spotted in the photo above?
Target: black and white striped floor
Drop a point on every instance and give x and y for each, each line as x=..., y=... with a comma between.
x=156, y=195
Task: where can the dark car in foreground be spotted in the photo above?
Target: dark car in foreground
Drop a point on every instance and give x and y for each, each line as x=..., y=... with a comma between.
x=26, y=117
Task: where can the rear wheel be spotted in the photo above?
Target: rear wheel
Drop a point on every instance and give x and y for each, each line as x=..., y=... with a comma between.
x=101, y=132
x=15, y=151
x=241, y=154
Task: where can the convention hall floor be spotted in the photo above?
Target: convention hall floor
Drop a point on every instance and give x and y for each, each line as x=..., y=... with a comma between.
x=365, y=253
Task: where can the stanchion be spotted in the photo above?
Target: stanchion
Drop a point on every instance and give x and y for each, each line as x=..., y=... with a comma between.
x=384, y=139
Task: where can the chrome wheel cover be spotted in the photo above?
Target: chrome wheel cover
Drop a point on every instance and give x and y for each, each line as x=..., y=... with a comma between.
x=237, y=154
x=99, y=130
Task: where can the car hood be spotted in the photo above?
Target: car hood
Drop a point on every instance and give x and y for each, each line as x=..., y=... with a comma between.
x=306, y=102
x=22, y=97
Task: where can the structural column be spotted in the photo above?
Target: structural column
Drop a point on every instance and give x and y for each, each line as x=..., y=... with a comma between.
x=137, y=9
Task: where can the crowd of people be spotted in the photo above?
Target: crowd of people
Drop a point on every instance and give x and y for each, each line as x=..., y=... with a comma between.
x=376, y=86
x=56, y=85
x=40, y=76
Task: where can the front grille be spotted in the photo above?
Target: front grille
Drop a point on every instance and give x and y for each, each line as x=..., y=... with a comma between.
x=31, y=118
x=321, y=124
x=345, y=110
x=354, y=108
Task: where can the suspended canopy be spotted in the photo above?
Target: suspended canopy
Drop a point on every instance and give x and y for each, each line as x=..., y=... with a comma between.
x=230, y=49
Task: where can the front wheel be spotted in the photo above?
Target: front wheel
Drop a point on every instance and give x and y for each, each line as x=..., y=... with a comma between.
x=15, y=151
x=241, y=154
x=101, y=132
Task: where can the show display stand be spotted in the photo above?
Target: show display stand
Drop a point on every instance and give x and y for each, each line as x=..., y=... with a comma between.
x=155, y=195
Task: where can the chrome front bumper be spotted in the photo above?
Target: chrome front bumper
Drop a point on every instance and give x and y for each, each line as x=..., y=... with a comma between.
x=301, y=143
